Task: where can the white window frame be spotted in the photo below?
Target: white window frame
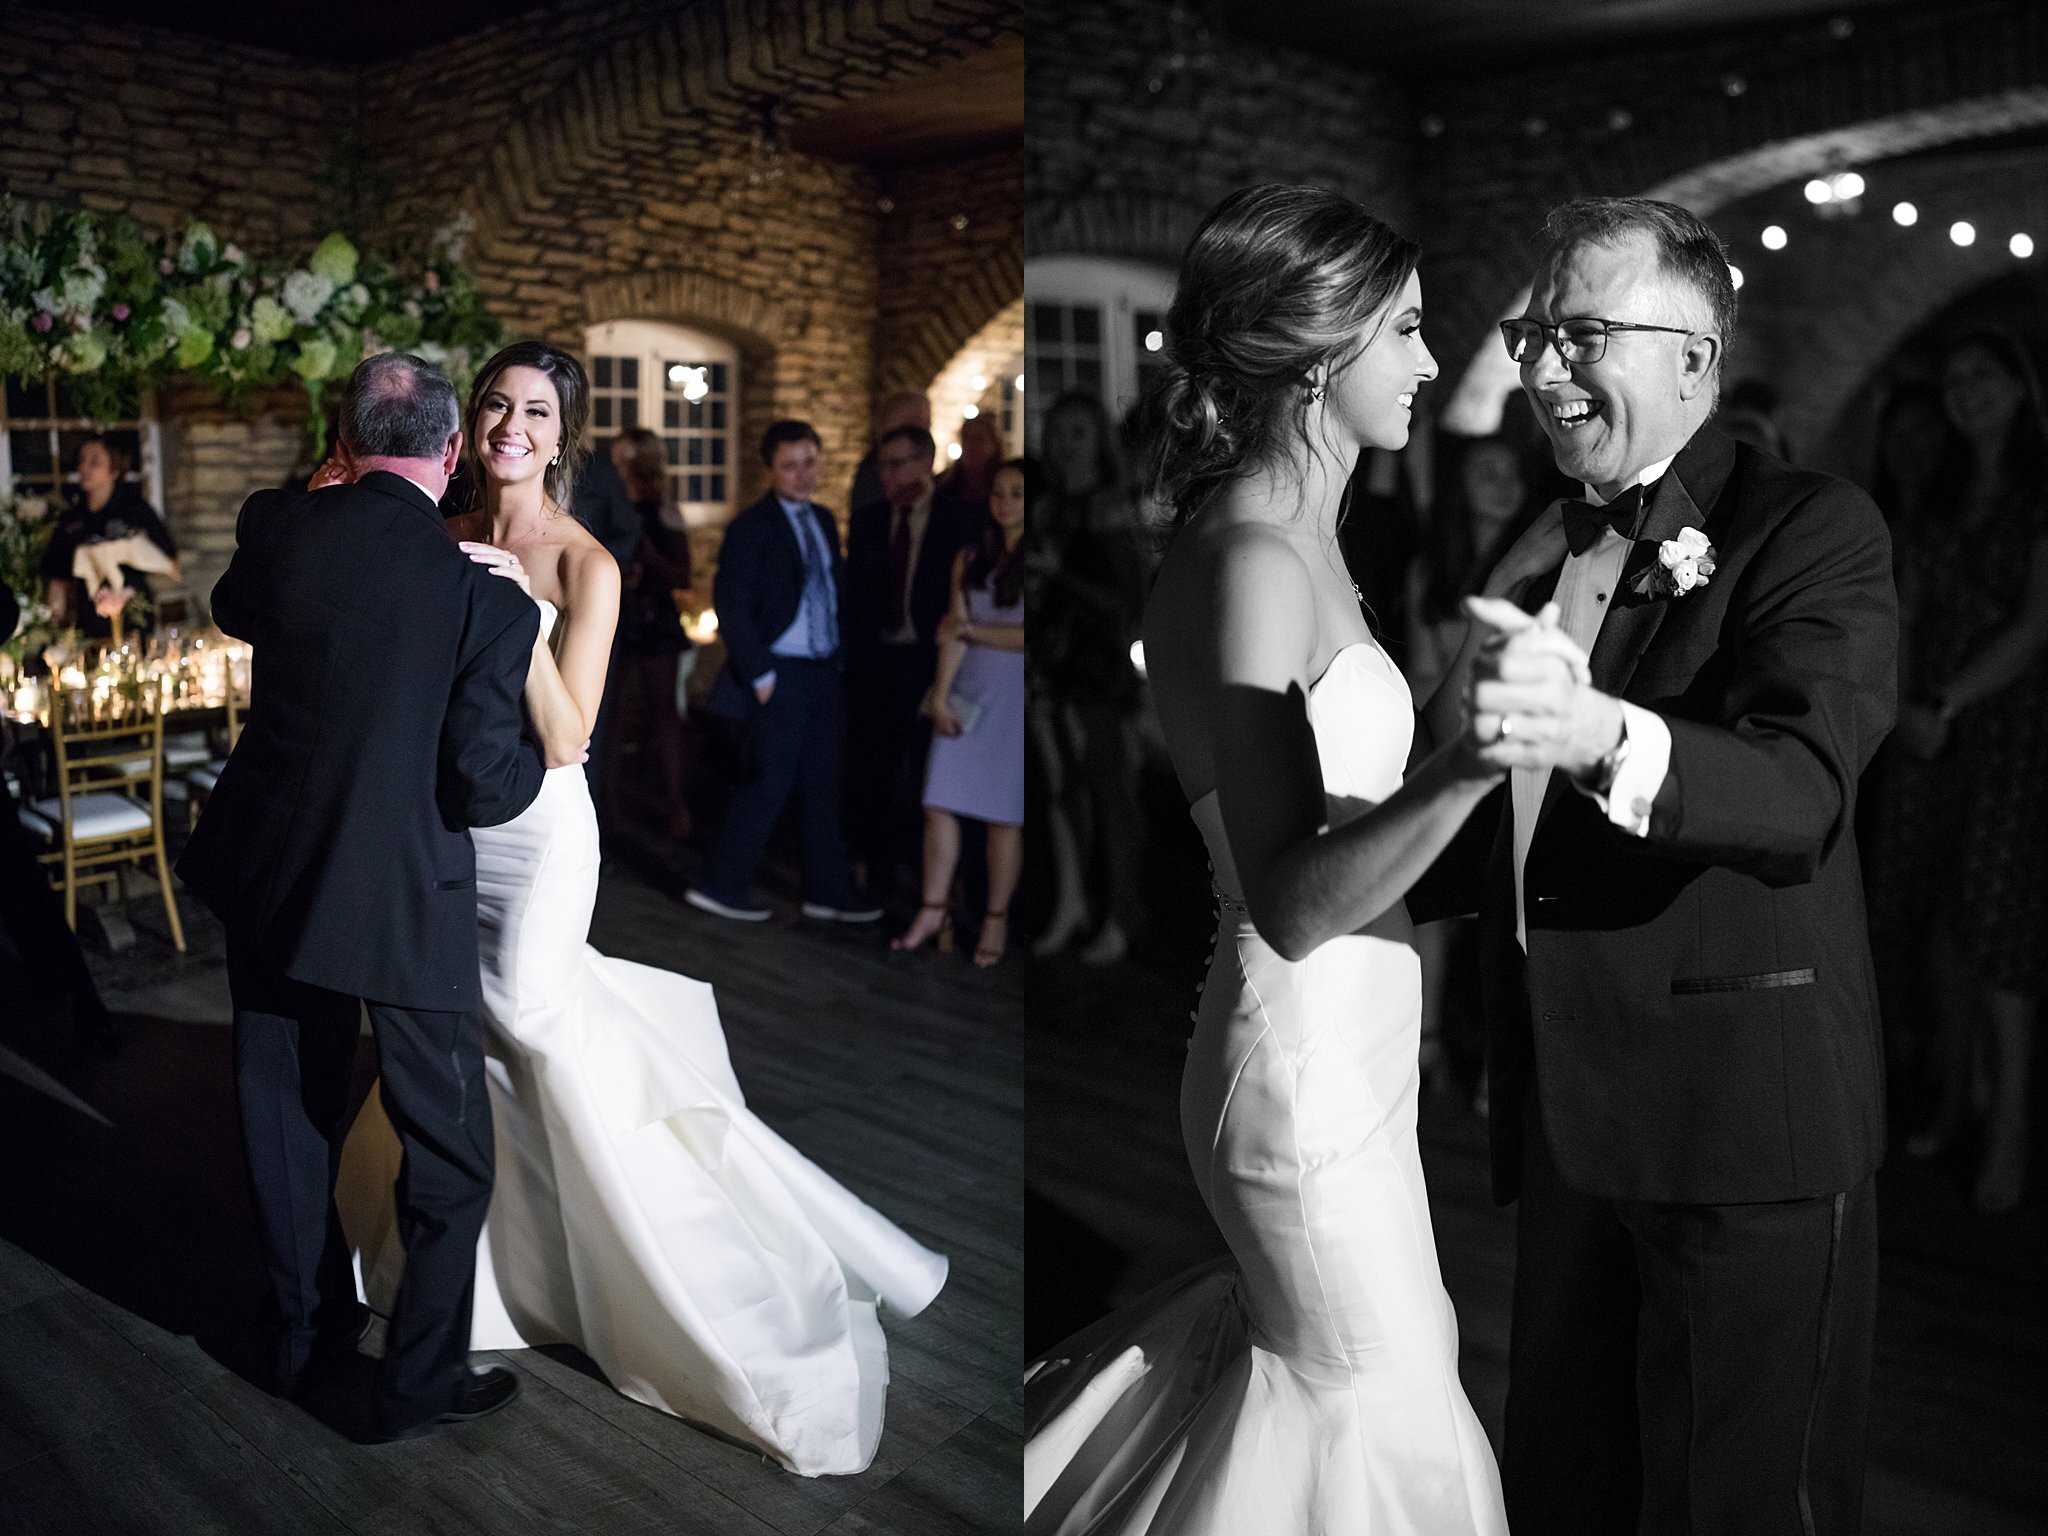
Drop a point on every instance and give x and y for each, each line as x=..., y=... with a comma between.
x=655, y=345
x=1119, y=290
x=147, y=471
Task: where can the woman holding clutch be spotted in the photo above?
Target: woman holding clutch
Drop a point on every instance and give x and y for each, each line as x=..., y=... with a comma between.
x=977, y=707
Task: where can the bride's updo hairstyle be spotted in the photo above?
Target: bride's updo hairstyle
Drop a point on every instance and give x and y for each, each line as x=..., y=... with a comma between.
x=572, y=390
x=1278, y=281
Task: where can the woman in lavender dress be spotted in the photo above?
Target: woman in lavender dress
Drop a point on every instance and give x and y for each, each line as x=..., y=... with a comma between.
x=977, y=706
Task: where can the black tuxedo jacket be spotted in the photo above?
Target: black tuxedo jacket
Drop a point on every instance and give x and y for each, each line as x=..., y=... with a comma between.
x=384, y=722
x=757, y=592
x=1697, y=1008
x=949, y=527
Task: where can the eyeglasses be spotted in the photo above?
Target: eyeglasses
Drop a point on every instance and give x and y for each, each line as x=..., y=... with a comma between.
x=1577, y=341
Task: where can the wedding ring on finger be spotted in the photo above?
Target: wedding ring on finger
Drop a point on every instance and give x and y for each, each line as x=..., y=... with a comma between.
x=1506, y=729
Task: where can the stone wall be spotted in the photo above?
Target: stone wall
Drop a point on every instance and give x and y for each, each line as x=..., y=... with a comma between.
x=160, y=126
x=952, y=258
x=214, y=455
x=1138, y=127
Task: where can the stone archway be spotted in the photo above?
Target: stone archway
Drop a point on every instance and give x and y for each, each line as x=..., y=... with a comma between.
x=982, y=376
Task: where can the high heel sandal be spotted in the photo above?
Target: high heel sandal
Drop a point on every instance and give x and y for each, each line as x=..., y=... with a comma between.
x=985, y=953
x=942, y=931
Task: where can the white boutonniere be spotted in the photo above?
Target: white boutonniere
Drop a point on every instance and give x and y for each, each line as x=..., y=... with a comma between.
x=1682, y=564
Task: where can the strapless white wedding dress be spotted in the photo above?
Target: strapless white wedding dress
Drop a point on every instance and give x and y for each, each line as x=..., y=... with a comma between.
x=1309, y=1384
x=641, y=1211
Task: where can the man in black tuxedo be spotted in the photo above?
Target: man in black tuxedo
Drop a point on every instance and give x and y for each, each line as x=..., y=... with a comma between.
x=384, y=723
x=1684, y=1046
x=899, y=567
x=778, y=597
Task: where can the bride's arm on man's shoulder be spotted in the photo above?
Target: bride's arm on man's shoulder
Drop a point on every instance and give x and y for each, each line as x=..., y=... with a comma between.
x=1304, y=882
x=566, y=681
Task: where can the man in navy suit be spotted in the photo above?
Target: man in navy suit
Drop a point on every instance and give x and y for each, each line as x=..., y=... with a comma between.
x=777, y=596
x=1685, y=1059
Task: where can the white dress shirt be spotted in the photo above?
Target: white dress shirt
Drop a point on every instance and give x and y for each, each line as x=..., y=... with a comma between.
x=1585, y=589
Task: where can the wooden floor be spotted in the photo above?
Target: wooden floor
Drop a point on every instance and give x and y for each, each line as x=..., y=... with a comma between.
x=129, y=1271
x=1960, y=1389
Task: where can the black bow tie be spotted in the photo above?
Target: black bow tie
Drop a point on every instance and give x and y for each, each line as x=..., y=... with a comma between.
x=1583, y=521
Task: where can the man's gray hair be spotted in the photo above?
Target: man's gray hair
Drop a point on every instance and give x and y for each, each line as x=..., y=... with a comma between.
x=1686, y=248
x=396, y=406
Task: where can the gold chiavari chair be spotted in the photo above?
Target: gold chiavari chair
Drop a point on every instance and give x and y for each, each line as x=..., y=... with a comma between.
x=199, y=782
x=108, y=810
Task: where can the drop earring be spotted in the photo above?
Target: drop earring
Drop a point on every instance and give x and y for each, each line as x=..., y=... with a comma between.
x=1315, y=393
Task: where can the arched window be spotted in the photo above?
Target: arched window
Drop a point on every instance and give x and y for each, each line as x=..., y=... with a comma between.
x=1095, y=325
x=683, y=385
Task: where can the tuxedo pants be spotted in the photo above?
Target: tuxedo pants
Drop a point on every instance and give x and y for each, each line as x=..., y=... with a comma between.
x=1687, y=1370
x=888, y=742
x=294, y=1049
x=790, y=748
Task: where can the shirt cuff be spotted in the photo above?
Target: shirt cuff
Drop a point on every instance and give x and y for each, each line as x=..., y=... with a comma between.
x=1641, y=774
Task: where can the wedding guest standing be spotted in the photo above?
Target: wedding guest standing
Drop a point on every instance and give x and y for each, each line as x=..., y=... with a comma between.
x=973, y=474
x=107, y=506
x=1085, y=694
x=601, y=503
x=651, y=637
x=1912, y=430
x=977, y=758
x=778, y=596
x=899, y=556
x=904, y=408
x=1965, y=829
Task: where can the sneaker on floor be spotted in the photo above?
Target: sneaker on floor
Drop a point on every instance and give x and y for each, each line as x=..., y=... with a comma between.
x=852, y=912
x=704, y=901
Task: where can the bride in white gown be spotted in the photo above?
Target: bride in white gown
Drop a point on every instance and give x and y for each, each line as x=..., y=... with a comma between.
x=641, y=1211
x=1310, y=1385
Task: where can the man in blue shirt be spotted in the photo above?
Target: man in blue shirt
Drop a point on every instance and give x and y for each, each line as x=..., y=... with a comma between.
x=777, y=598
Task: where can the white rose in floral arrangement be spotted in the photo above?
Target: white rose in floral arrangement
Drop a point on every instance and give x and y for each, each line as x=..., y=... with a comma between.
x=177, y=319
x=306, y=294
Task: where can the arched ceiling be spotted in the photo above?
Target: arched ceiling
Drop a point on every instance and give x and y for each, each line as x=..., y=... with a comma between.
x=1451, y=34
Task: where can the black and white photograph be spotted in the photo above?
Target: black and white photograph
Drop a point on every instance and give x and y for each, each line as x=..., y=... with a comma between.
x=514, y=708
x=1540, y=639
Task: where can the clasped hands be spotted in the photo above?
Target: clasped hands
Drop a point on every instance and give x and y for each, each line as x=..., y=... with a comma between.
x=1530, y=701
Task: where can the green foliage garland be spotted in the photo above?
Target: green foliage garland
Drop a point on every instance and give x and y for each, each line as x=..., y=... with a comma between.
x=116, y=311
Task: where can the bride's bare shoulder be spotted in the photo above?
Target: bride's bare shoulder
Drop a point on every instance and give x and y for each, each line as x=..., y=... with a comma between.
x=473, y=526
